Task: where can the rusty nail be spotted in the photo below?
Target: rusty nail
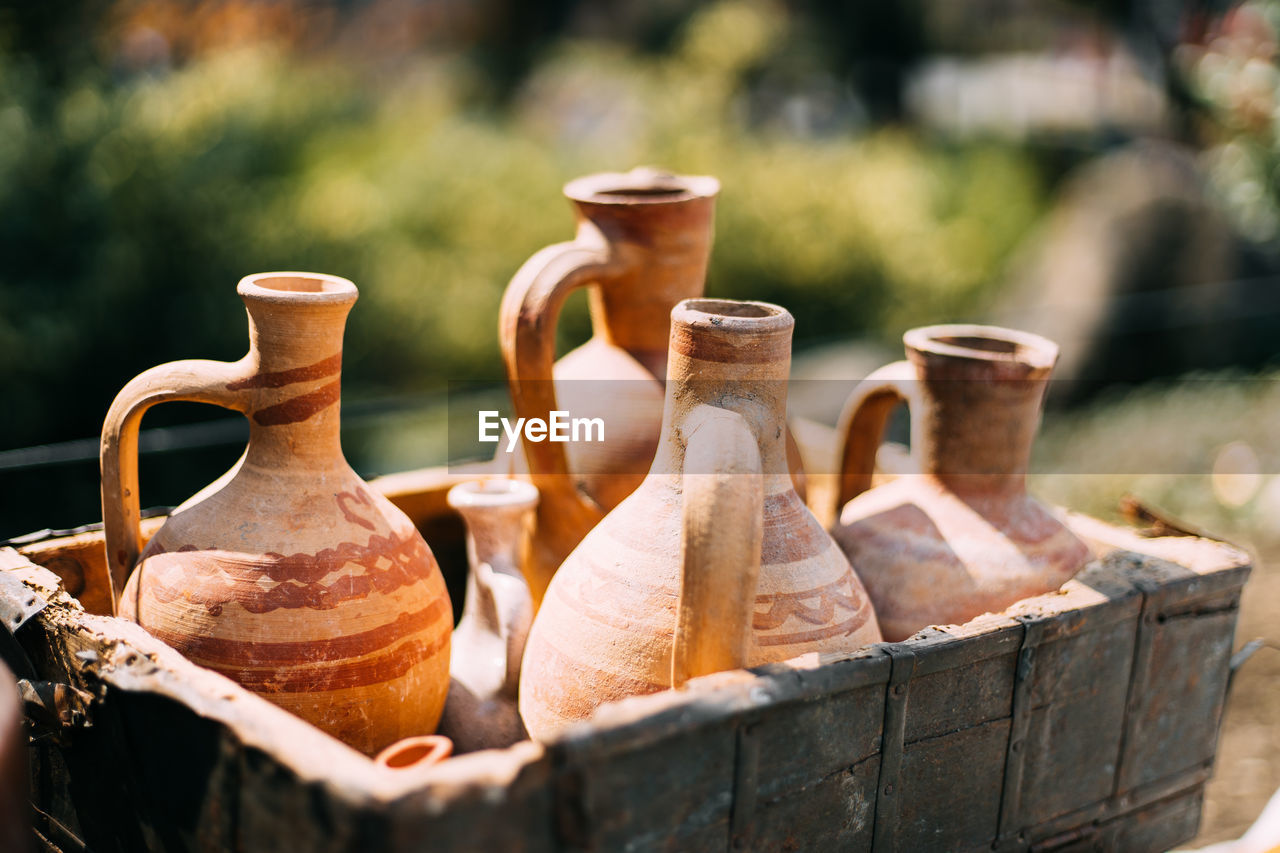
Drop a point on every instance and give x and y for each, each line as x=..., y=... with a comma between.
x=888, y=789
x=899, y=689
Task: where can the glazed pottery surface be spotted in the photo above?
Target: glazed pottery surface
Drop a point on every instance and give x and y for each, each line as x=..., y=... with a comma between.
x=962, y=537
x=643, y=242
x=489, y=641
x=609, y=625
x=288, y=574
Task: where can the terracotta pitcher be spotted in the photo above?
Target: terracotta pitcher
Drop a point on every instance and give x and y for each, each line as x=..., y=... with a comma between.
x=962, y=537
x=489, y=640
x=287, y=574
x=643, y=242
x=714, y=562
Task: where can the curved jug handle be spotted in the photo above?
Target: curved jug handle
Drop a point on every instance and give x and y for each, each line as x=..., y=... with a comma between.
x=527, y=332
x=862, y=424
x=193, y=380
x=722, y=527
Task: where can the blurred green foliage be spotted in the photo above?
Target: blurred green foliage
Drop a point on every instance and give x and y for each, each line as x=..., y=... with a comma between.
x=130, y=204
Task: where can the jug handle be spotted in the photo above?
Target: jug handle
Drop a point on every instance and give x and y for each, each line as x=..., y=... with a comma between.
x=193, y=380
x=862, y=424
x=527, y=332
x=722, y=527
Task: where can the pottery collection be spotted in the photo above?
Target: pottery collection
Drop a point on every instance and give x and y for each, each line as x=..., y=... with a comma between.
x=962, y=537
x=288, y=574
x=677, y=547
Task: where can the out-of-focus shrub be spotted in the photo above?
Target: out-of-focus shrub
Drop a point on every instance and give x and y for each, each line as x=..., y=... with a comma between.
x=129, y=207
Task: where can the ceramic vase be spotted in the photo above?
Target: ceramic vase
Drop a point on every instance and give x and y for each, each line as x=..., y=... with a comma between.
x=714, y=562
x=288, y=574
x=489, y=640
x=962, y=537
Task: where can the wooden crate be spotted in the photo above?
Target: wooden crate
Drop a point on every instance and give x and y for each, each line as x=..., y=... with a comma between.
x=1081, y=720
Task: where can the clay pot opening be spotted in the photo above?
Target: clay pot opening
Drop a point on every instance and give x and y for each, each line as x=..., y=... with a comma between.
x=732, y=315
x=983, y=344
x=415, y=752
x=641, y=186
x=644, y=191
x=297, y=287
x=493, y=492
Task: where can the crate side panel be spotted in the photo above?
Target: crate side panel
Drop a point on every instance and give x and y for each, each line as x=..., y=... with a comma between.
x=950, y=700
x=1157, y=828
x=802, y=744
x=1090, y=665
x=835, y=814
x=1072, y=751
x=671, y=795
x=950, y=789
x=1074, y=732
x=1173, y=720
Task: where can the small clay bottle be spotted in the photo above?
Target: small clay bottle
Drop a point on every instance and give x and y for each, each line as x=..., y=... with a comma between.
x=714, y=562
x=415, y=752
x=489, y=640
x=962, y=537
x=288, y=574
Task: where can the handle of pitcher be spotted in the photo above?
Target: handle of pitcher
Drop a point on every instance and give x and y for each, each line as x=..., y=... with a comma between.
x=862, y=424
x=194, y=380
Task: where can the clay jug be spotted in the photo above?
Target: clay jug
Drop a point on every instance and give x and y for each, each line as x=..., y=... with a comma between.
x=714, y=562
x=288, y=574
x=489, y=640
x=962, y=537
x=643, y=242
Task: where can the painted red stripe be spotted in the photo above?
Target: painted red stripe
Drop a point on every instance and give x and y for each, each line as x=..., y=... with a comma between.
x=376, y=670
x=301, y=407
x=281, y=378
x=223, y=649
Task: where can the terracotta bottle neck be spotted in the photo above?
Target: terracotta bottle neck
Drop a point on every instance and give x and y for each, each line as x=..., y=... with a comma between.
x=735, y=356
x=294, y=392
x=975, y=432
x=658, y=229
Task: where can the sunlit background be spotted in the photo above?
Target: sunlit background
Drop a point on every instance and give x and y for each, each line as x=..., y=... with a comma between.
x=1102, y=172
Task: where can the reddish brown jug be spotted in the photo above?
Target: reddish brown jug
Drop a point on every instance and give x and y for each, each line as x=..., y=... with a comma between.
x=714, y=562
x=643, y=242
x=287, y=574
x=962, y=537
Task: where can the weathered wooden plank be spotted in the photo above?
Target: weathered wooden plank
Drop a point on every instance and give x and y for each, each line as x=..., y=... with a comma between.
x=1177, y=698
x=949, y=789
x=835, y=814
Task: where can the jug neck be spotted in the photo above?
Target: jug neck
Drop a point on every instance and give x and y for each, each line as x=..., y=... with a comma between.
x=296, y=324
x=658, y=228
x=981, y=394
x=735, y=356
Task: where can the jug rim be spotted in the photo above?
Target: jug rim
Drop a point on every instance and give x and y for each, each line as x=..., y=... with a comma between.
x=297, y=287
x=974, y=342
x=641, y=186
x=492, y=492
